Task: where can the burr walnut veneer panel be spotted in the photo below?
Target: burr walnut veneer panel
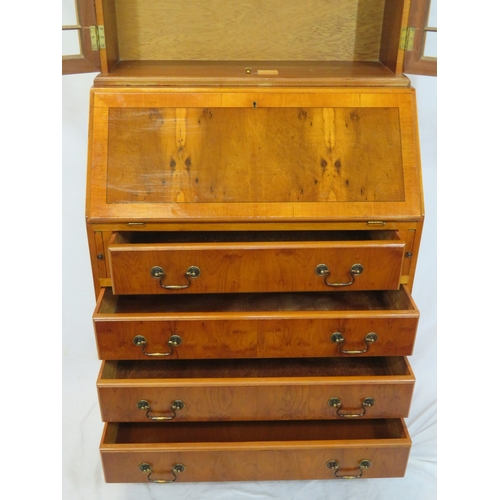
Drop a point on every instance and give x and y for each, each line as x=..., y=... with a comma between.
x=240, y=154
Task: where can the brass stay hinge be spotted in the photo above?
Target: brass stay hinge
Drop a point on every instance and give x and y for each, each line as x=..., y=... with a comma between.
x=97, y=37
x=407, y=39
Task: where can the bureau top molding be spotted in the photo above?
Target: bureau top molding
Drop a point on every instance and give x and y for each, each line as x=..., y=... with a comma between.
x=244, y=155
x=244, y=97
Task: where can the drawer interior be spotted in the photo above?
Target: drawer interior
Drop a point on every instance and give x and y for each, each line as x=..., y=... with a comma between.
x=183, y=237
x=232, y=432
x=256, y=368
x=389, y=300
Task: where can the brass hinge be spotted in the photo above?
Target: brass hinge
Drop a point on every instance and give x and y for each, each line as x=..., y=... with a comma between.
x=407, y=39
x=97, y=37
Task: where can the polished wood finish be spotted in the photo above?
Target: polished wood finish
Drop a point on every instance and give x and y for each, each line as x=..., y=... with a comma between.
x=256, y=326
x=252, y=74
x=250, y=265
x=409, y=232
x=255, y=389
x=281, y=137
x=257, y=240
x=310, y=151
x=249, y=451
x=330, y=181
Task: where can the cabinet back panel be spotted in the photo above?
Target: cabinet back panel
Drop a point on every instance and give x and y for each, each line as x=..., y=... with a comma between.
x=342, y=30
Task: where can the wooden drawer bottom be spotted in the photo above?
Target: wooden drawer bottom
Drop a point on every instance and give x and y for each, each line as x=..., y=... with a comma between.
x=254, y=451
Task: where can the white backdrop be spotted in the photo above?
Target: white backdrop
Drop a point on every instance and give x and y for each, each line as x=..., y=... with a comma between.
x=81, y=423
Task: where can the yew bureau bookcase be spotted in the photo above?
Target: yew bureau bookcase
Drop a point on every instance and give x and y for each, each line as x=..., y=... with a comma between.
x=254, y=213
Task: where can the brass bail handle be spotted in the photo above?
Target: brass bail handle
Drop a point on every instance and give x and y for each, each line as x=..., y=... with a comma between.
x=158, y=273
x=335, y=402
x=323, y=271
x=176, y=470
x=174, y=407
x=141, y=341
x=338, y=338
x=335, y=466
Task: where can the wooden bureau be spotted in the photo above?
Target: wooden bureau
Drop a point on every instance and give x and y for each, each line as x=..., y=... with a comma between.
x=254, y=227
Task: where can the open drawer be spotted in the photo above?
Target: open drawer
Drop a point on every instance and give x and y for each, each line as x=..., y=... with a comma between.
x=258, y=389
x=254, y=261
x=276, y=325
x=250, y=451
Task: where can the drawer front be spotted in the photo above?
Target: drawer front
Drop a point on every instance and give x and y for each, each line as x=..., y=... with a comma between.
x=255, y=390
x=254, y=326
x=255, y=266
x=255, y=451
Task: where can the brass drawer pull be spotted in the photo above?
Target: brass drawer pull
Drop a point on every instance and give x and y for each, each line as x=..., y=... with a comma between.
x=176, y=469
x=158, y=273
x=174, y=407
x=323, y=271
x=174, y=341
x=362, y=465
x=338, y=338
x=337, y=403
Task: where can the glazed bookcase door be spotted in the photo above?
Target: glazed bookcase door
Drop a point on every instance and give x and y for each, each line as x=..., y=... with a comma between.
x=78, y=54
x=422, y=58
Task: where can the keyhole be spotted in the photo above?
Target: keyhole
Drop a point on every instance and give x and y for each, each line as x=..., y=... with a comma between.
x=254, y=105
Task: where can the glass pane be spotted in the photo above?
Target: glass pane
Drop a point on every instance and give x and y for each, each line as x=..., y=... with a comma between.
x=430, y=44
x=71, y=42
x=69, y=15
x=433, y=14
